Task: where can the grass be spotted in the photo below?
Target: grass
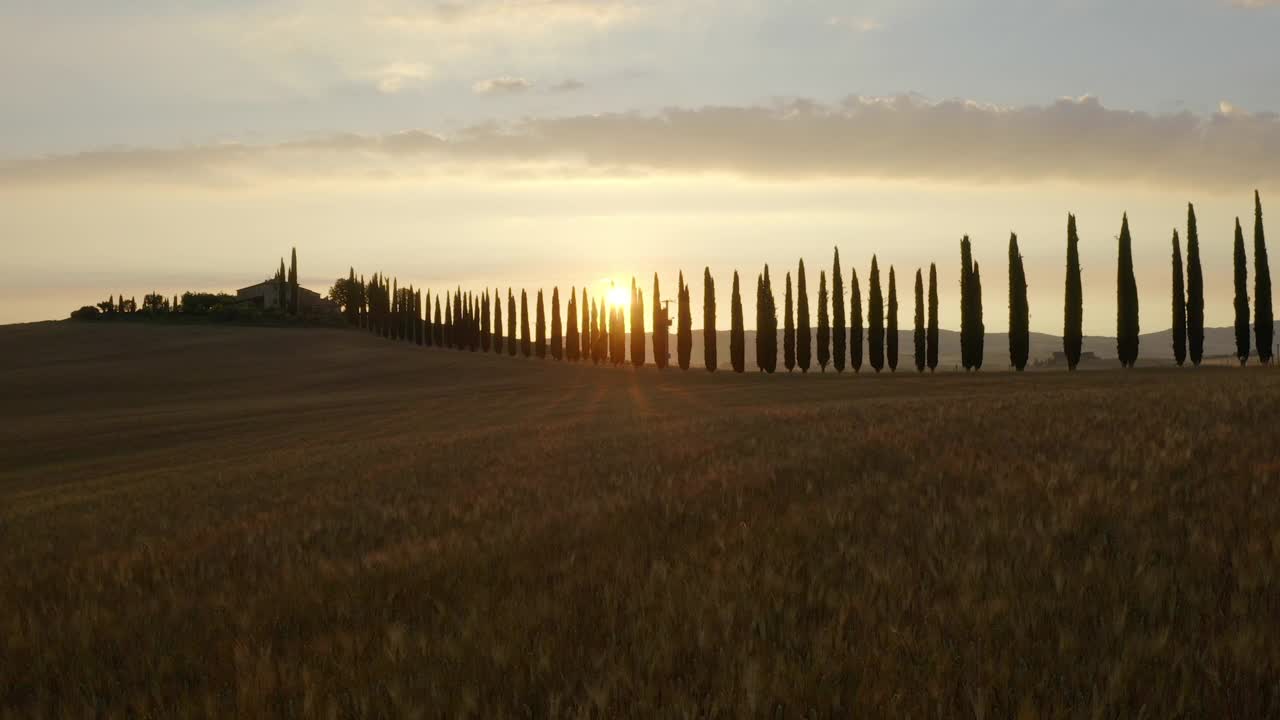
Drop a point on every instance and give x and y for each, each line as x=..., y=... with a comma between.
x=246, y=522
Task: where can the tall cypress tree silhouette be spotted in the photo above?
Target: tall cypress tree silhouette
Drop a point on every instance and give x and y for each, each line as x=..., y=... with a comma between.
x=708, y=320
x=824, y=323
x=1073, y=312
x=931, y=334
x=497, y=322
x=684, y=329
x=966, y=304
x=438, y=325
x=789, y=330
x=637, y=325
x=891, y=322
x=526, y=338
x=540, y=330
x=593, y=351
x=571, y=338
x=512, y=336
x=419, y=327
x=737, y=338
x=618, y=336
x=770, y=330
x=875, y=319
x=1019, y=311
x=1263, y=317
x=293, y=282
x=429, y=327
x=918, y=338
x=1126, y=301
x=448, y=321
x=557, y=335
x=1242, y=297
x=1179, y=306
x=979, y=330
x=839, y=339
x=1195, y=291
x=855, y=321
x=660, y=334
x=486, y=335
x=282, y=288
x=473, y=321
x=804, y=342
x=760, y=322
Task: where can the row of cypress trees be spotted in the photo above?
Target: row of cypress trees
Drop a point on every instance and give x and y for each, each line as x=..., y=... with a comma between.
x=596, y=331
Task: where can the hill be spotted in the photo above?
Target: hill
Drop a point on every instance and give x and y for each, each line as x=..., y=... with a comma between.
x=206, y=521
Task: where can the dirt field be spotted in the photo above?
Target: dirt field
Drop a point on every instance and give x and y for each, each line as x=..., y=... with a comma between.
x=241, y=522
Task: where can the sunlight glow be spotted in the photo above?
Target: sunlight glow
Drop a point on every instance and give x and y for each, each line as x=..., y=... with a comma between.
x=619, y=297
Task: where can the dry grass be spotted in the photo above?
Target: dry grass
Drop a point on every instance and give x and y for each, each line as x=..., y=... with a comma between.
x=230, y=522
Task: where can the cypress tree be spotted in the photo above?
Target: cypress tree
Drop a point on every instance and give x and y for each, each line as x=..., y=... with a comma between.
x=931, y=334
x=593, y=350
x=839, y=339
x=571, y=347
x=979, y=329
x=438, y=326
x=282, y=288
x=918, y=344
x=473, y=321
x=803, y=339
x=1242, y=297
x=1019, y=311
x=637, y=325
x=737, y=339
x=557, y=336
x=684, y=329
x=824, y=323
x=891, y=331
x=448, y=321
x=428, y=327
x=760, y=322
x=789, y=330
x=588, y=331
x=1264, y=319
x=1179, y=306
x=618, y=336
x=540, y=330
x=1073, y=312
x=526, y=339
x=420, y=326
x=293, y=283
x=512, y=336
x=708, y=320
x=660, y=333
x=1195, y=291
x=497, y=322
x=966, y=304
x=770, y=317
x=855, y=321
x=486, y=334
x=1126, y=301
x=875, y=319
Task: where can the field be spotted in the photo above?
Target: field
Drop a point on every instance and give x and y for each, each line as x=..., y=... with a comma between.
x=248, y=522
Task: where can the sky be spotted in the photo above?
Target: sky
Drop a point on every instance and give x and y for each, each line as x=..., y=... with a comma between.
x=168, y=145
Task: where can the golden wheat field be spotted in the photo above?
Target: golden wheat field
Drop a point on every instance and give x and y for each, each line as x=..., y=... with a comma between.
x=248, y=522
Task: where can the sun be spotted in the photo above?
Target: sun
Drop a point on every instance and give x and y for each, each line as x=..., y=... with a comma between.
x=618, y=297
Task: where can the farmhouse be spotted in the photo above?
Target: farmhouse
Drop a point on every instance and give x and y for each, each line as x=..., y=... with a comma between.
x=266, y=295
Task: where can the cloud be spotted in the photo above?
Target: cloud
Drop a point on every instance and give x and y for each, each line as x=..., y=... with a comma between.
x=395, y=77
x=855, y=24
x=504, y=85
x=900, y=137
x=569, y=85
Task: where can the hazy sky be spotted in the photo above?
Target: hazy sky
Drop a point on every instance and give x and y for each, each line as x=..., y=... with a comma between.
x=175, y=145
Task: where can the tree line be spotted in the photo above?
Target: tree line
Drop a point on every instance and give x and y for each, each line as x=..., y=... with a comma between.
x=595, y=331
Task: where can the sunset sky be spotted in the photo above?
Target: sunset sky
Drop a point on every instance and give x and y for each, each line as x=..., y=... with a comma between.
x=188, y=145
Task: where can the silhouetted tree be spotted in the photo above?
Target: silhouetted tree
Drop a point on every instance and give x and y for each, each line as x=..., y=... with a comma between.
x=708, y=320
x=282, y=288
x=918, y=339
x=839, y=339
x=1242, y=297
x=824, y=323
x=737, y=337
x=1073, y=312
x=1263, y=317
x=660, y=334
x=1179, y=306
x=1019, y=311
x=448, y=321
x=769, y=317
x=967, y=336
x=1195, y=291
x=931, y=335
x=618, y=337
x=486, y=332
x=420, y=325
x=438, y=326
x=684, y=326
x=855, y=321
x=804, y=341
x=1127, y=301
x=875, y=319
x=557, y=336
x=497, y=322
x=293, y=283
x=891, y=322
x=789, y=330
x=980, y=328
x=637, y=325
x=512, y=336
x=759, y=322
x=540, y=336
x=526, y=333
x=594, y=350
x=571, y=338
